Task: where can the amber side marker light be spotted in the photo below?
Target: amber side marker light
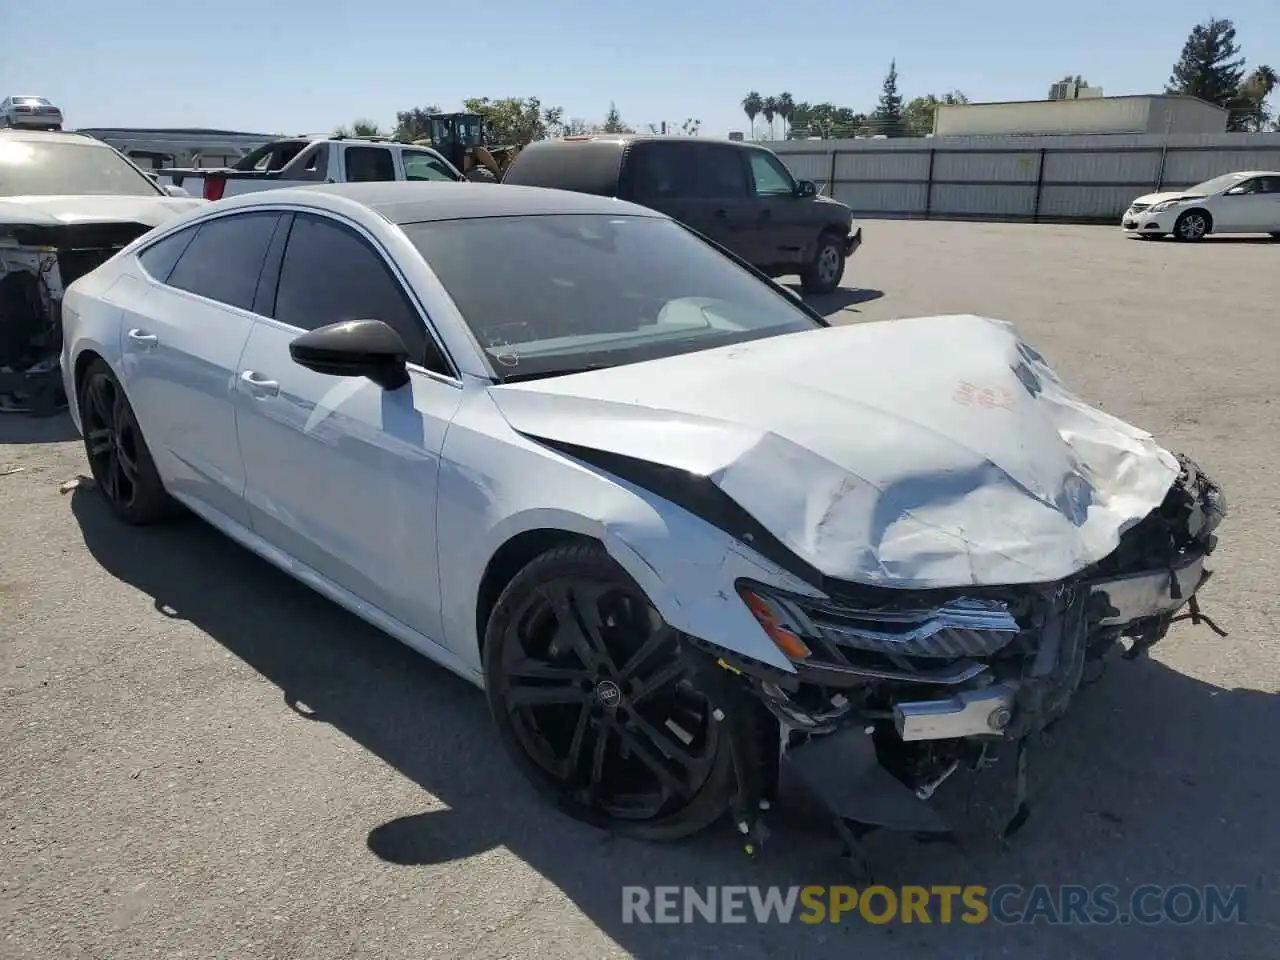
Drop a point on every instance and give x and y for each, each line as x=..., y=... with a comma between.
x=771, y=622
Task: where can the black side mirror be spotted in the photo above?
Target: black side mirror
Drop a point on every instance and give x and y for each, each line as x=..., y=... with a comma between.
x=355, y=348
x=806, y=188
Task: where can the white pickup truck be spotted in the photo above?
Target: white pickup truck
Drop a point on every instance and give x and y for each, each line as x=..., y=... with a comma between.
x=301, y=160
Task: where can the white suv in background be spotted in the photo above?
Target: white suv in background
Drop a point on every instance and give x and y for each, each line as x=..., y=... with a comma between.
x=1247, y=202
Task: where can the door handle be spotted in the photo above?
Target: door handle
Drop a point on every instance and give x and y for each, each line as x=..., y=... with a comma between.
x=259, y=386
x=142, y=338
x=766, y=214
x=722, y=214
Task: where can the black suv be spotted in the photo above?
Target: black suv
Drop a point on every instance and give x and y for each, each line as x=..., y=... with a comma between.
x=738, y=195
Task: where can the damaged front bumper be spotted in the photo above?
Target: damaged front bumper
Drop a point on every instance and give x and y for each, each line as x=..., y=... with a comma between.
x=893, y=691
x=37, y=264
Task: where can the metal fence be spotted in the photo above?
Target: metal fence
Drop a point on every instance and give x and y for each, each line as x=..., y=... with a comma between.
x=1081, y=179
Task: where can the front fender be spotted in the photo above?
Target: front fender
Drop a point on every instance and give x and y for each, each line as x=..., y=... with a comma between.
x=512, y=485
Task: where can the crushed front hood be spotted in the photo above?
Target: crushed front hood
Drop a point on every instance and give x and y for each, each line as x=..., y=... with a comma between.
x=63, y=211
x=927, y=452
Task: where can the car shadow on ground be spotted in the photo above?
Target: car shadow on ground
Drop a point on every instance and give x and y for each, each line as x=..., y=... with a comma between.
x=1154, y=777
x=23, y=428
x=832, y=303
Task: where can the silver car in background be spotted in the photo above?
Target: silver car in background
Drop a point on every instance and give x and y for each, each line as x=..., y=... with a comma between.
x=35, y=113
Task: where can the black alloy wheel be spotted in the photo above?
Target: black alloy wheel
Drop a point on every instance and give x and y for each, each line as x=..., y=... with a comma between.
x=593, y=697
x=118, y=456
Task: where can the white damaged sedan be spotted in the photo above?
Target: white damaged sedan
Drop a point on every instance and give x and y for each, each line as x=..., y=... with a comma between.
x=675, y=525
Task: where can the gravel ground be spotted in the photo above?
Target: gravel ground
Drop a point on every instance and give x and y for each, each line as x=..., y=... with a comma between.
x=202, y=759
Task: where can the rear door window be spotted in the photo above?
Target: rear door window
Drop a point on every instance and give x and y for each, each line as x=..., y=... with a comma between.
x=159, y=258
x=720, y=172
x=225, y=257
x=664, y=171
x=366, y=164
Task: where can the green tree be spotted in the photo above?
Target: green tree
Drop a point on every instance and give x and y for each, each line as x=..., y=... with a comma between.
x=1251, y=110
x=691, y=127
x=414, y=123
x=887, y=118
x=752, y=104
x=359, y=128
x=1210, y=66
x=613, y=121
x=918, y=114
x=826, y=120
x=511, y=119
x=769, y=110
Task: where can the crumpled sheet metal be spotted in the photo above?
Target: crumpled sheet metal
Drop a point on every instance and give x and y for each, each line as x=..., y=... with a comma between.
x=30, y=301
x=923, y=453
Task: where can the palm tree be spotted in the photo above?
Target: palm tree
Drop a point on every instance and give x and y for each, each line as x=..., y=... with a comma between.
x=752, y=104
x=786, y=110
x=769, y=110
x=1266, y=79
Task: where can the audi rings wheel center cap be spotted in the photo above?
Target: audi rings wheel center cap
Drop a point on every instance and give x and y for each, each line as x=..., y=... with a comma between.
x=609, y=694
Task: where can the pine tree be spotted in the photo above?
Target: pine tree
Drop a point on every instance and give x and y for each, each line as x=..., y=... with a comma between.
x=887, y=119
x=613, y=121
x=1210, y=67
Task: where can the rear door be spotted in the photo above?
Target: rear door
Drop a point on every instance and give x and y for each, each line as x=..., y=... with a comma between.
x=181, y=349
x=694, y=183
x=365, y=163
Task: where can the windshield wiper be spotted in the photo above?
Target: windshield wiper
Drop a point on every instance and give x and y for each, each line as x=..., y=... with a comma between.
x=555, y=372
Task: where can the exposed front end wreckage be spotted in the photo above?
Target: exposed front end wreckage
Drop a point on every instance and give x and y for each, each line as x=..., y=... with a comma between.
x=963, y=534
x=894, y=691
x=37, y=263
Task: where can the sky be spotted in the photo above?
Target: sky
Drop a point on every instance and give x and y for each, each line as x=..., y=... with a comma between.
x=294, y=66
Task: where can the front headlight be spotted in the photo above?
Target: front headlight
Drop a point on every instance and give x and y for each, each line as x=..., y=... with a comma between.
x=1162, y=206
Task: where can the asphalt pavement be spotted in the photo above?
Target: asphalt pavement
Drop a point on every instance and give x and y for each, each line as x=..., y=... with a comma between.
x=200, y=758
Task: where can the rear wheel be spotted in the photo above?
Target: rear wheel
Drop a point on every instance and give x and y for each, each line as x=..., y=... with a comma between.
x=594, y=701
x=118, y=456
x=1192, y=226
x=824, y=272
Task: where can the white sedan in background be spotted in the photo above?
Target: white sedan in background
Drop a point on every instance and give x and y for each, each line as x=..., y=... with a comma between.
x=1247, y=202
x=659, y=509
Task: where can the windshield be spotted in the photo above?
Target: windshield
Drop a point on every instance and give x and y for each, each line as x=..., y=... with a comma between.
x=1216, y=185
x=42, y=169
x=546, y=295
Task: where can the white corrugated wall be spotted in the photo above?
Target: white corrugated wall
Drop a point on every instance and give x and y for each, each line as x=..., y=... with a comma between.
x=1019, y=177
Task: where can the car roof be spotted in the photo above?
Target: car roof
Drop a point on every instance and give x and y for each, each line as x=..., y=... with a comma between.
x=405, y=201
x=81, y=139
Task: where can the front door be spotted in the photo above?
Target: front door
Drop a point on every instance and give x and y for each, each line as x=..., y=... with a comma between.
x=181, y=349
x=785, y=224
x=342, y=474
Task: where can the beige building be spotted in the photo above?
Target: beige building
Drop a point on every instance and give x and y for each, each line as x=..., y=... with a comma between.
x=1085, y=115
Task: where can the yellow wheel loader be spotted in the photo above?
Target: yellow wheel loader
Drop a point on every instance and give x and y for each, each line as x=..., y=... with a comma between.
x=463, y=140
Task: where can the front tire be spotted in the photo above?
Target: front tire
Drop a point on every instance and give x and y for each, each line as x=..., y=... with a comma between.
x=825, y=271
x=118, y=456
x=1193, y=226
x=593, y=699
